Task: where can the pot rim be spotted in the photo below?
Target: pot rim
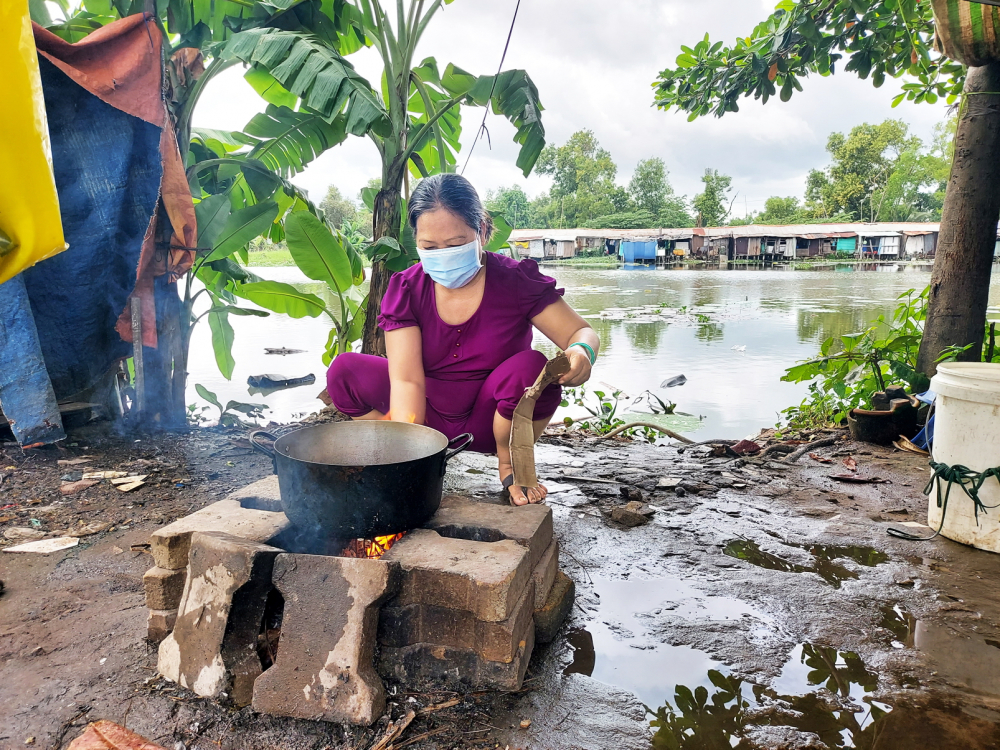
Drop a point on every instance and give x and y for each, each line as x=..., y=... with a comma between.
x=281, y=442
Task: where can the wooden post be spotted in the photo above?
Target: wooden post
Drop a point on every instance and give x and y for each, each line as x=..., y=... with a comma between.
x=140, y=376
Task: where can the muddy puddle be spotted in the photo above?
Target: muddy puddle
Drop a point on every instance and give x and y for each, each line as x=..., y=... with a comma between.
x=696, y=702
x=826, y=559
x=618, y=648
x=692, y=699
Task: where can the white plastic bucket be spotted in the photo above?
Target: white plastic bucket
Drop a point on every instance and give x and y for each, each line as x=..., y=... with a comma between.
x=967, y=432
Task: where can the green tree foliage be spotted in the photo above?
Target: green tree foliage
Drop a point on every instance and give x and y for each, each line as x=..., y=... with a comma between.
x=648, y=187
x=513, y=203
x=779, y=211
x=879, y=172
x=712, y=204
x=876, y=38
x=336, y=208
x=584, y=192
x=583, y=181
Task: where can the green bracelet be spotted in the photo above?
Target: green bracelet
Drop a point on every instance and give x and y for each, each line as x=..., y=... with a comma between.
x=590, y=352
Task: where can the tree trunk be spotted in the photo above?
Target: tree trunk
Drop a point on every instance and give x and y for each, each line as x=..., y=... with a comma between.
x=960, y=284
x=386, y=223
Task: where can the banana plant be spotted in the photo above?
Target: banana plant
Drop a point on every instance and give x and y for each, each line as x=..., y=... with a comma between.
x=413, y=119
x=239, y=180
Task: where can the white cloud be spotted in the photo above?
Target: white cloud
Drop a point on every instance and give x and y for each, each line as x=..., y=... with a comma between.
x=594, y=66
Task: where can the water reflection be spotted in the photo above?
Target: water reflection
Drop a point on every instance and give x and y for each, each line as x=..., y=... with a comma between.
x=843, y=715
x=900, y=623
x=824, y=559
x=619, y=648
x=781, y=316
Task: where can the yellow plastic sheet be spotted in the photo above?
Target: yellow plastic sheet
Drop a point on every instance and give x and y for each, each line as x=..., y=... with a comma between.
x=29, y=205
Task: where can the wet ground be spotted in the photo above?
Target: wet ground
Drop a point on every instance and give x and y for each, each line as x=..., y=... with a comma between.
x=763, y=606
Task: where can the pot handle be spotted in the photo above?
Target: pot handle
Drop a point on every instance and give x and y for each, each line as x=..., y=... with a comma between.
x=267, y=450
x=466, y=439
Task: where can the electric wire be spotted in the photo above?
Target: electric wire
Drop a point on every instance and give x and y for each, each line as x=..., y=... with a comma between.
x=482, y=126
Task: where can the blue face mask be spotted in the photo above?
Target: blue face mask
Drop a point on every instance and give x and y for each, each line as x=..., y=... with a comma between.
x=452, y=267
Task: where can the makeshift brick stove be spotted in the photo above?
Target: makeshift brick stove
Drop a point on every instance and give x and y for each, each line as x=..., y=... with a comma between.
x=457, y=604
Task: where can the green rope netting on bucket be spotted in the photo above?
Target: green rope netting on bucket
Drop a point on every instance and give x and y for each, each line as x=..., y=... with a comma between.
x=970, y=481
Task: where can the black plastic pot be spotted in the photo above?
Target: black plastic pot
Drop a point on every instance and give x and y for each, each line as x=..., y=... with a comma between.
x=359, y=480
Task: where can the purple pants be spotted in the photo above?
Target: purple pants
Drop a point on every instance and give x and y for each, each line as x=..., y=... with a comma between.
x=359, y=384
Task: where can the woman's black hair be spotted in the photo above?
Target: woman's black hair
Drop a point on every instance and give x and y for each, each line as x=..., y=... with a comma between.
x=454, y=193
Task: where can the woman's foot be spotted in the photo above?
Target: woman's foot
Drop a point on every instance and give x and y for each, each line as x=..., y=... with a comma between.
x=520, y=495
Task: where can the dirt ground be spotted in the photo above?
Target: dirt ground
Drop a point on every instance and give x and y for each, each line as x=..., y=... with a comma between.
x=771, y=592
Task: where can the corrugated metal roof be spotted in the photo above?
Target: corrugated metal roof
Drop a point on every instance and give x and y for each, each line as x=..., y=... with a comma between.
x=809, y=231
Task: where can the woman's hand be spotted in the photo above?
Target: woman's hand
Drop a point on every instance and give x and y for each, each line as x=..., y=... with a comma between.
x=579, y=367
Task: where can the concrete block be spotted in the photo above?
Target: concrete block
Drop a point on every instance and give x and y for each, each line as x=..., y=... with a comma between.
x=485, y=579
x=164, y=588
x=427, y=666
x=492, y=641
x=325, y=664
x=171, y=543
x=528, y=525
x=159, y=623
x=213, y=647
x=544, y=574
x=261, y=495
x=550, y=617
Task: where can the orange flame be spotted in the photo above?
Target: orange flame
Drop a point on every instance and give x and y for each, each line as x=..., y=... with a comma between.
x=371, y=549
x=412, y=418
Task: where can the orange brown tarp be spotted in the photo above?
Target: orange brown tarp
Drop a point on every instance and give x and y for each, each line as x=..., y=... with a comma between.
x=106, y=735
x=122, y=65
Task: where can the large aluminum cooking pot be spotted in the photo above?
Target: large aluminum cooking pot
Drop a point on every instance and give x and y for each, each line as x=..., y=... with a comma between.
x=351, y=480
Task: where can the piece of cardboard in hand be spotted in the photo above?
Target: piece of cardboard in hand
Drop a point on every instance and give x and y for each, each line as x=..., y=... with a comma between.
x=522, y=434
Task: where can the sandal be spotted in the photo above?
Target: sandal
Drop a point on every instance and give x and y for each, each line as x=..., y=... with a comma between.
x=505, y=494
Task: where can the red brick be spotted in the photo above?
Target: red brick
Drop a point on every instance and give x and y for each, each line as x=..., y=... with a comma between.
x=324, y=669
x=427, y=666
x=492, y=641
x=528, y=525
x=485, y=579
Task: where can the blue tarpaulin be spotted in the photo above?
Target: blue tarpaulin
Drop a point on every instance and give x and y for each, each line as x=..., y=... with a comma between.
x=108, y=167
x=633, y=251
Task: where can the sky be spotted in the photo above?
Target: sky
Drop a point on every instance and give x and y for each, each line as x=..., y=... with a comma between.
x=594, y=64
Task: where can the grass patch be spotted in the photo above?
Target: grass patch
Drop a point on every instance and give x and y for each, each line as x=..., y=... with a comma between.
x=270, y=258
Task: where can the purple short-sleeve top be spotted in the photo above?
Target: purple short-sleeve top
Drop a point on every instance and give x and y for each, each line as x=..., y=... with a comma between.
x=516, y=291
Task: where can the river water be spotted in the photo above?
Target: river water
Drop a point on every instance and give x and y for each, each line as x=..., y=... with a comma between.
x=732, y=333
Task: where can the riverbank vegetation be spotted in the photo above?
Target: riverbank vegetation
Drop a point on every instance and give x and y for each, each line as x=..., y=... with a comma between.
x=879, y=39
x=877, y=172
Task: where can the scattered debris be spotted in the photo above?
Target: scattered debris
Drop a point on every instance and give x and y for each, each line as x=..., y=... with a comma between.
x=851, y=464
x=104, y=474
x=271, y=381
x=106, y=735
x=808, y=447
x=131, y=486
x=74, y=461
x=45, y=546
x=632, y=514
x=71, y=488
x=94, y=527
x=855, y=479
x=745, y=448
x=674, y=382
x=905, y=445
x=525, y=723
x=129, y=479
x=821, y=459
x=394, y=730
x=23, y=533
